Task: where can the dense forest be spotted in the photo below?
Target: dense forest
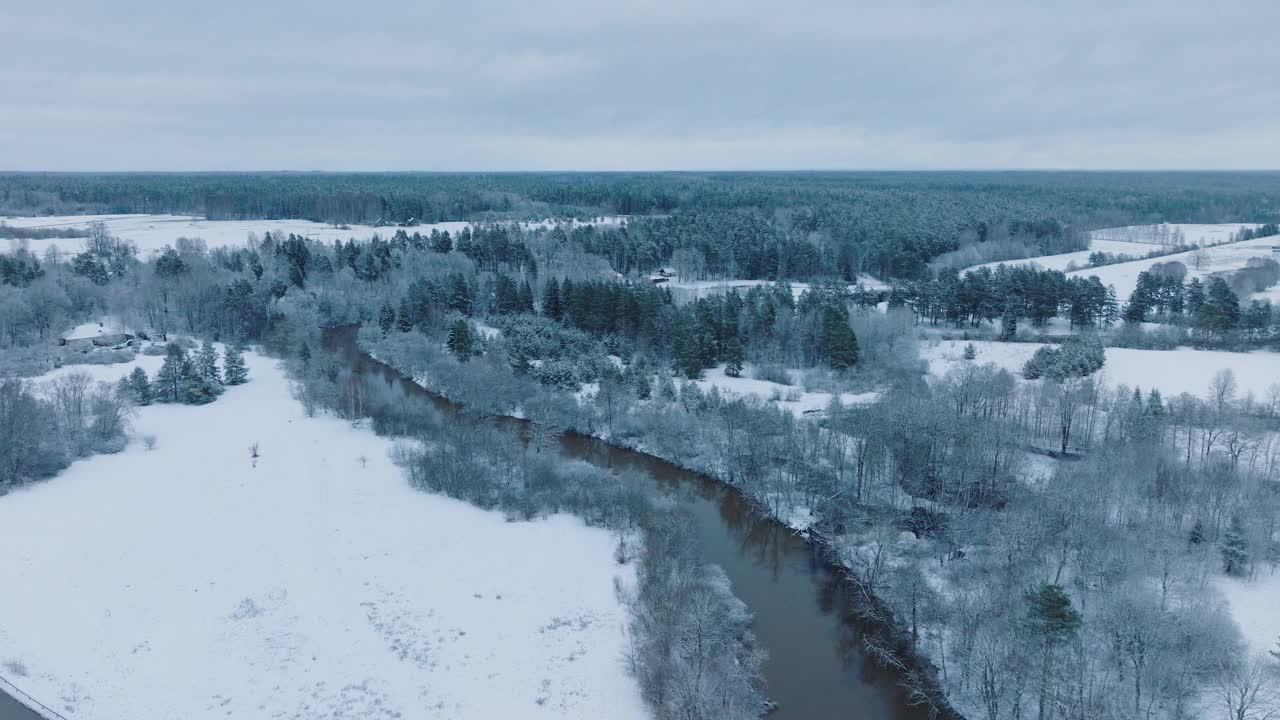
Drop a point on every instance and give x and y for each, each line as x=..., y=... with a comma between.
x=754, y=225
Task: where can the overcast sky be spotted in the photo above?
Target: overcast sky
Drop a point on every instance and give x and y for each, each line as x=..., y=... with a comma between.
x=660, y=84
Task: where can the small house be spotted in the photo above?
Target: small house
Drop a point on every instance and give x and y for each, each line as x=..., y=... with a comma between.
x=91, y=335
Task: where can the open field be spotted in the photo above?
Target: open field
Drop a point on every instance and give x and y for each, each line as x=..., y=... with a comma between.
x=153, y=232
x=186, y=582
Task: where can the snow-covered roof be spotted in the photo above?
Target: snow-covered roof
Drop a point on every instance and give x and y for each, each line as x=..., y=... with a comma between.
x=94, y=329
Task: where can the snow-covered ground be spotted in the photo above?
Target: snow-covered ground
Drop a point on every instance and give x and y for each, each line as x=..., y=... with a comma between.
x=182, y=582
x=153, y=232
x=1220, y=258
x=1172, y=371
x=689, y=290
x=1255, y=606
x=1173, y=233
x=1077, y=259
x=1134, y=240
x=803, y=402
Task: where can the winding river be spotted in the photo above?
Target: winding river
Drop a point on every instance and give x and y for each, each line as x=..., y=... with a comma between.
x=803, y=609
x=817, y=668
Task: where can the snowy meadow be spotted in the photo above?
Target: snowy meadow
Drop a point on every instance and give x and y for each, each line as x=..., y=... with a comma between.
x=309, y=582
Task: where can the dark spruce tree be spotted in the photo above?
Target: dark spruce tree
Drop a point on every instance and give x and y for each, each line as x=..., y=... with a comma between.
x=460, y=341
x=386, y=318
x=404, y=316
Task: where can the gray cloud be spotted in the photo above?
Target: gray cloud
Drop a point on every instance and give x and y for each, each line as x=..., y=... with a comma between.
x=566, y=84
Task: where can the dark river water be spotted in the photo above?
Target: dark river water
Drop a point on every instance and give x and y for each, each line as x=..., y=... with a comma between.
x=817, y=669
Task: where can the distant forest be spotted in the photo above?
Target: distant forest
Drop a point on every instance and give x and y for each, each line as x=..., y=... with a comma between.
x=739, y=224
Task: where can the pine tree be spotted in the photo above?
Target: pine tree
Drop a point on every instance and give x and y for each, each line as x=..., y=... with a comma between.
x=1052, y=621
x=386, y=318
x=1235, y=549
x=970, y=352
x=526, y=297
x=733, y=357
x=139, y=387
x=194, y=387
x=1197, y=533
x=233, y=368
x=1110, y=307
x=459, y=342
x=460, y=295
x=1008, y=323
x=404, y=318
x=551, y=306
x=304, y=354
x=839, y=344
x=168, y=383
x=207, y=364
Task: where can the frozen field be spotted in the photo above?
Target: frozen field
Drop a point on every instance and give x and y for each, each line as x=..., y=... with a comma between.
x=183, y=582
x=1172, y=233
x=1253, y=604
x=1079, y=258
x=1135, y=240
x=1172, y=371
x=1221, y=258
x=153, y=232
x=801, y=402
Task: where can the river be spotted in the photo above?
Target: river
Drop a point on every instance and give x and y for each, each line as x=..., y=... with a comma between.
x=803, y=610
x=802, y=606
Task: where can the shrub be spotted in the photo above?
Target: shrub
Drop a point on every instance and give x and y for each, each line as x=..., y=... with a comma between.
x=772, y=373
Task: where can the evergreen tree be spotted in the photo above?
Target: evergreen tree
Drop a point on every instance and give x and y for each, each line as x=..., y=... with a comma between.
x=526, y=297
x=233, y=368
x=404, y=317
x=551, y=300
x=460, y=341
x=304, y=354
x=1235, y=549
x=666, y=387
x=194, y=387
x=839, y=344
x=1009, y=323
x=441, y=242
x=1110, y=308
x=1052, y=622
x=1197, y=533
x=207, y=364
x=733, y=357
x=459, y=295
x=970, y=352
x=1220, y=311
x=139, y=387
x=386, y=318
x=1194, y=297
x=168, y=383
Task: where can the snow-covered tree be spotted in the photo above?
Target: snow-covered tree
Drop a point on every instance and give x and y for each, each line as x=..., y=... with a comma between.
x=207, y=364
x=234, y=370
x=138, y=387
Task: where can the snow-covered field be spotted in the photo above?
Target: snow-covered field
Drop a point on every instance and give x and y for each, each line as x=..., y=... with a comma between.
x=689, y=290
x=1172, y=233
x=1135, y=240
x=1220, y=258
x=1255, y=606
x=1172, y=371
x=767, y=391
x=182, y=582
x=1079, y=258
x=153, y=232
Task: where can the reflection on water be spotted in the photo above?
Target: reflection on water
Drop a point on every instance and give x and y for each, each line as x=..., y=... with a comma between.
x=803, y=610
